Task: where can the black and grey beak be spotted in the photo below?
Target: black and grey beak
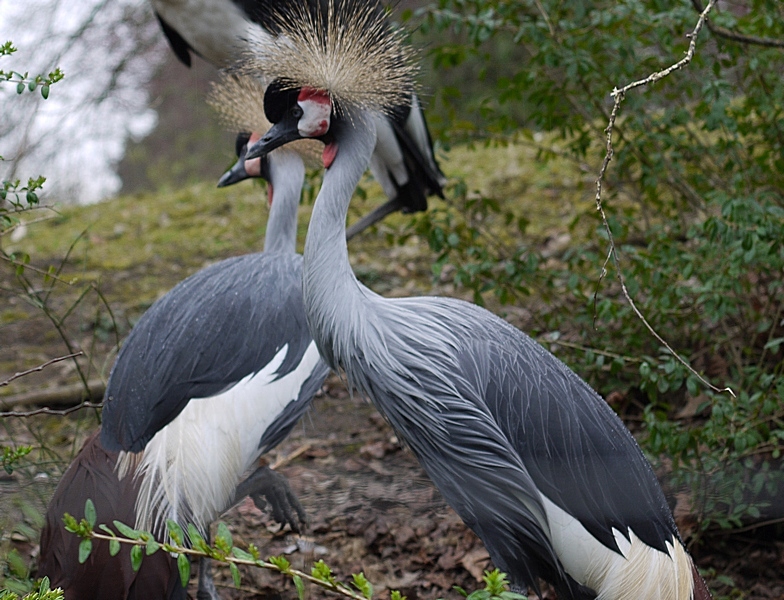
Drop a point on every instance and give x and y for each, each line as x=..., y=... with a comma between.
x=234, y=175
x=280, y=133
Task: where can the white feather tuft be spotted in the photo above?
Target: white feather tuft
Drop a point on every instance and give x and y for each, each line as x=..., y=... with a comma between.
x=641, y=572
x=190, y=468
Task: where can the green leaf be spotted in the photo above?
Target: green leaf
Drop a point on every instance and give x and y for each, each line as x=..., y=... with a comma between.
x=242, y=555
x=235, y=574
x=184, y=567
x=321, y=571
x=89, y=512
x=85, y=547
x=175, y=532
x=71, y=524
x=152, y=547
x=127, y=531
x=281, y=562
x=298, y=583
x=114, y=547
x=20, y=87
x=197, y=541
x=223, y=538
x=136, y=558
x=45, y=91
x=363, y=585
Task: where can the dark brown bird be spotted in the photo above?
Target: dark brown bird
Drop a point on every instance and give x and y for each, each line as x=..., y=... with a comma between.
x=102, y=577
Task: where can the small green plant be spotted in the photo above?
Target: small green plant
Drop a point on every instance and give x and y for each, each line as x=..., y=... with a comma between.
x=694, y=202
x=11, y=456
x=24, y=81
x=496, y=588
x=42, y=592
x=144, y=544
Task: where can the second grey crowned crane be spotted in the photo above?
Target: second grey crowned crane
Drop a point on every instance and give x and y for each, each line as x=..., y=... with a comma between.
x=216, y=373
x=528, y=455
x=220, y=31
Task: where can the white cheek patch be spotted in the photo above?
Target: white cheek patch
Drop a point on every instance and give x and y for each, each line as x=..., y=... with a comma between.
x=316, y=112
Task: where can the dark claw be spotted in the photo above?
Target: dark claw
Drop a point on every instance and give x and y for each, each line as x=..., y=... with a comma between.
x=264, y=483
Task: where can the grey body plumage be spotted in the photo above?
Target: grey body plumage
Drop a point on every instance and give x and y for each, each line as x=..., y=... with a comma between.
x=212, y=330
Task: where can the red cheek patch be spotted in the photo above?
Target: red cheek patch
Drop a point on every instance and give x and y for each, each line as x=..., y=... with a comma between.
x=322, y=128
x=314, y=95
x=329, y=154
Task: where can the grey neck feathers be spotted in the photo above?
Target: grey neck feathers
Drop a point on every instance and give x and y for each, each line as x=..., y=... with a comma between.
x=333, y=297
x=287, y=174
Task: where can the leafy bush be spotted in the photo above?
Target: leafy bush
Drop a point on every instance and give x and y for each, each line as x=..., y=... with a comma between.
x=695, y=194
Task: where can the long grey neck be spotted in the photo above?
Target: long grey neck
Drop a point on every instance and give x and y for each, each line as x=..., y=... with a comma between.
x=331, y=293
x=287, y=174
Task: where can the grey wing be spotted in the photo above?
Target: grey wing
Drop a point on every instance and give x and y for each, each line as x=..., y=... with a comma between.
x=209, y=332
x=576, y=449
x=470, y=461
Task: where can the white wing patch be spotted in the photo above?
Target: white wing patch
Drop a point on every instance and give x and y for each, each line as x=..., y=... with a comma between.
x=642, y=572
x=190, y=468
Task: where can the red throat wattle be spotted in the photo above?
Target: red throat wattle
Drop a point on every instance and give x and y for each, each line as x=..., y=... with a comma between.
x=269, y=194
x=329, y=154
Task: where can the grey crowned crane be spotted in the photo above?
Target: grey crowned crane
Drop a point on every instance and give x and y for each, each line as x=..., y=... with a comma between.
x=220, y=30
x=195, y=484
x=102, y=576
x=216, y=373
x=528, y=455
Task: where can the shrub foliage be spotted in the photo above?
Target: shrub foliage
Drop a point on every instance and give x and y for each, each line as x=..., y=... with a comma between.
x=695, y=196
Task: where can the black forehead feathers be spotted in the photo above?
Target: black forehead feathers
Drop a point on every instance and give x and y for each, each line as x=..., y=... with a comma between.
x=278, y=98
x=242, y=140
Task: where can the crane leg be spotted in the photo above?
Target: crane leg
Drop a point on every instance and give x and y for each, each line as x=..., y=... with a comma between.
x=206, y=589
x=266, y=483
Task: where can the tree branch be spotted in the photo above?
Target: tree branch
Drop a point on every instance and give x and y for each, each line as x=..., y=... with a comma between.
x=734, y=36
x=40, y=367
x=612, y=254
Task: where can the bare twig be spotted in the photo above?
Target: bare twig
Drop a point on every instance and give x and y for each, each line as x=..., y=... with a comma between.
x=74, y=396
x=40, y=367
x=51, y=411
x=612, y=254
x=738, y=37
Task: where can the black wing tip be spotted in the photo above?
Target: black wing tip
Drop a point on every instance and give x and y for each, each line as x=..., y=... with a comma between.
x=182, y=49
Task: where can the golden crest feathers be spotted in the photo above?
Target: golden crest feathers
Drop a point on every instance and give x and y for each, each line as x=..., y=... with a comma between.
x=345, y=47
x=239, y=102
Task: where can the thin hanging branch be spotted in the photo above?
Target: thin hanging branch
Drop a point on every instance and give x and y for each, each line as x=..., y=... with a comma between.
x=40, y=367
x=612, y=254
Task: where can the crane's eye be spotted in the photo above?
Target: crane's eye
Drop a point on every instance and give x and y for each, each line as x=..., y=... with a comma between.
x=296, y=111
